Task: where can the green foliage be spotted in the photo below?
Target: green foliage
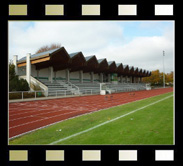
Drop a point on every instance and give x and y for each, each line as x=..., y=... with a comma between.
x=11, y=71
x=14, y=83
x=23, y=85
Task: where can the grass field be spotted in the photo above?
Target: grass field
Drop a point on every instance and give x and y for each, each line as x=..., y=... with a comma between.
x=144, y=122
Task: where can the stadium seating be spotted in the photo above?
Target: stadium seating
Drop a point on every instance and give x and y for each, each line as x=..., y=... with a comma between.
x=72, y=88
x=88, y=87
x=124, y=87
x=58, y=88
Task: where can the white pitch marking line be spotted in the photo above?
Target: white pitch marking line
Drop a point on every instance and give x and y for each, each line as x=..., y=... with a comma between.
x=63, y=139
x=79, y=116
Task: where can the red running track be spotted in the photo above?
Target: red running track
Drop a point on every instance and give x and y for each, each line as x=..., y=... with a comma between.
x=27, y=116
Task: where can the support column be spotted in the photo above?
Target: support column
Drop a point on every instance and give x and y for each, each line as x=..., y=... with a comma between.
x=67, y=75
x=28, y=68
x=92, y=76
x=51, y=74
x=134, y=79
x=109, y=78
x=126, y=79
x=81, y=76
x=140, y=79
x=15, y=58
x=101, y=77
x=121, y=79
x=130, y=79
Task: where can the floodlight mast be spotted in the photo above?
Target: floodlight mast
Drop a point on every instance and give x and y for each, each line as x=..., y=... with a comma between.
x=163, y=70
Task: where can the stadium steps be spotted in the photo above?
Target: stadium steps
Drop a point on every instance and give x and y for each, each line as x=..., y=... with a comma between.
x=88, y=88
x=58, y=88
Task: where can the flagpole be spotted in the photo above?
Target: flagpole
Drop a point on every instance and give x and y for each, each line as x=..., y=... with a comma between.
x=163, y=70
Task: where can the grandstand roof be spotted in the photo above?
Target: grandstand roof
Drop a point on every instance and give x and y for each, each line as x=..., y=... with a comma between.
x=112, y=66
x=126, y=69
x=89, y=57
x=103, y=65
x=91, y=64
x=38, y=55
x=119, y=70
x=73, y=54
x=100, y=60
x=136, y=69
x=77, y=61
x=131, y=70
x=60, y=60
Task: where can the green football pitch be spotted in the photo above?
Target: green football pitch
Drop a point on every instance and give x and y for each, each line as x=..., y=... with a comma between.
x=144, y=122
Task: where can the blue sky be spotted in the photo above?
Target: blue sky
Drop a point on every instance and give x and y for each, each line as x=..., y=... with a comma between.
x=137, y=43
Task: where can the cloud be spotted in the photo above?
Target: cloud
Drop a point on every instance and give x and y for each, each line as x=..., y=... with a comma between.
x=105, y=39
x=74, y=36
x=144, y=52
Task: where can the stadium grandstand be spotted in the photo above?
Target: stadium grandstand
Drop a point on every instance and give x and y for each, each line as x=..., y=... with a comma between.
x=57, y=71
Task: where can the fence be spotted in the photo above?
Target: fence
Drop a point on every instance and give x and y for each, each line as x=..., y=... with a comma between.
x=89, y=91
x=63, y=93
x=26, y=94
x=21, y=95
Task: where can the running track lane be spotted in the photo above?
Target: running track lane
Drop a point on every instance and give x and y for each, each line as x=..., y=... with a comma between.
x=28, y=116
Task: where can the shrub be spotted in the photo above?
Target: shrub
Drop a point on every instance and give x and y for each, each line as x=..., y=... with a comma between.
x=15, y=95
x=14, y=83
x=23, y=85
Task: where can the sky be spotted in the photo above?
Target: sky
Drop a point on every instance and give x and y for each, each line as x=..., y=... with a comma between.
x=136, y=43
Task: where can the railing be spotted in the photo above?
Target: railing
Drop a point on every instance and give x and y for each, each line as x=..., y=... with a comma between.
x=61, y=93
x=72, y=85
x=89, y=91
x=125, y=87
x=72, y=93
x=67, y=83
x=26, y=94
x=21, y=95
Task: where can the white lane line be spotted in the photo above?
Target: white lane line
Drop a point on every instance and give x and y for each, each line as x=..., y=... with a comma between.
x=43, y=118
x=99, y=125
x=44, y=113
x=90, y=112
x=77, y=109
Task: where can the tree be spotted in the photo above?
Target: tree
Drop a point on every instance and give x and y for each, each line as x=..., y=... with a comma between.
x=46, y=48
x=156, y=78
x=11, y=71
x=169, y=77
x=14, y=83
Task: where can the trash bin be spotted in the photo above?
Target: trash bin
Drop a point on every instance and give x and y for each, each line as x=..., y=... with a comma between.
x=39, y=94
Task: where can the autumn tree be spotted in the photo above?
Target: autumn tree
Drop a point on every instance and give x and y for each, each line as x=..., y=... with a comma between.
x=46, y=48
x=156, y=78
x=169, y=77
